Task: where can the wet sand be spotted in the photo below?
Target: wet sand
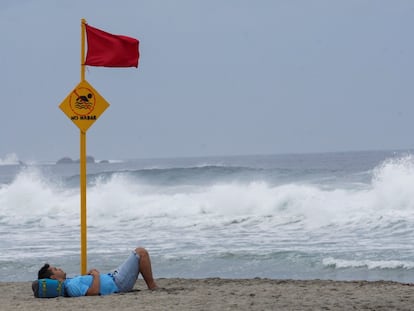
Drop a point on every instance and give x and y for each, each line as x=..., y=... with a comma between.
x=226, y=294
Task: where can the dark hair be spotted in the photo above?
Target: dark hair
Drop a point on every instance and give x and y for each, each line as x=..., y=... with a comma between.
x=44, y=272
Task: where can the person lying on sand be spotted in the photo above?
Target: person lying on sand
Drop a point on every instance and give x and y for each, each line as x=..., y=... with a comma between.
x=122, y=279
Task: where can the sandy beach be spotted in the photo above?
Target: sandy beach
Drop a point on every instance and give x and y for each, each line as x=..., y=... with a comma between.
x=227, y=294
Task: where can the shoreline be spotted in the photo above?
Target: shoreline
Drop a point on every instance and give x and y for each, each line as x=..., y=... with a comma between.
x=227, y=294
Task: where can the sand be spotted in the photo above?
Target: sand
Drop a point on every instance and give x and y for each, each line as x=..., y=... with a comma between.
x=226, y=294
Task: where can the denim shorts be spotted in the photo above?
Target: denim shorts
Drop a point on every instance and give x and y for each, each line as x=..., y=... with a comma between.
x=126, y=274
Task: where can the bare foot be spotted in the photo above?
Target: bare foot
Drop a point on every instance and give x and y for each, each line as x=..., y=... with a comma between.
x=153, y=286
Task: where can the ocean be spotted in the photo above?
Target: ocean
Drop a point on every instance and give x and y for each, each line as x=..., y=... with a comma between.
x=339, y=216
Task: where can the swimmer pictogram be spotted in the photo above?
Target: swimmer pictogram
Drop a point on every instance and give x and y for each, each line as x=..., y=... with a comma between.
x=82, y=101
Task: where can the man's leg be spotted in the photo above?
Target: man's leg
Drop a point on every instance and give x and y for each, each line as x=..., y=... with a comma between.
x=145, y=267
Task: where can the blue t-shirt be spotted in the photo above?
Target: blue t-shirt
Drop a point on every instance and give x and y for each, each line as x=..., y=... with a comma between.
x=79, y=285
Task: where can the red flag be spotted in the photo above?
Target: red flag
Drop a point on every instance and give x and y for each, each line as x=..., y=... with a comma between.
x=108, y=50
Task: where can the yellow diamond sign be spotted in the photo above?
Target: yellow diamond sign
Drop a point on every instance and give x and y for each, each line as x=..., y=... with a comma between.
x=84, y=105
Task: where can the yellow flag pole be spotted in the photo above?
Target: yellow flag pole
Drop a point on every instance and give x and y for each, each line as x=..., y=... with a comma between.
x=83, y=22
x=83, y=167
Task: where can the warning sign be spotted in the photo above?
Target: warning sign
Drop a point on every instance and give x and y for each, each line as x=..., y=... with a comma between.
x=84, y=105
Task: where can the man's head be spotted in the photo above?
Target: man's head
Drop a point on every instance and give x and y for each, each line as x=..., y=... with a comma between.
x=48, y=272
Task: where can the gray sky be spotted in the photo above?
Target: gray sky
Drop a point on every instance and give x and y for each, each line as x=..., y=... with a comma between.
x=217, y=77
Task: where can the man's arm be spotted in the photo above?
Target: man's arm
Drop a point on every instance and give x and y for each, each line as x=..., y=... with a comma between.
x=96, y=283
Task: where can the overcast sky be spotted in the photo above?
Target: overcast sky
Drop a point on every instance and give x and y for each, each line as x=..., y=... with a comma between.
x=216, y=77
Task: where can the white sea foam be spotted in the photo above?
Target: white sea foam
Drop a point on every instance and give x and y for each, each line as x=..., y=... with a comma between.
x=32, y=198
x=388, y=198
x=370, y=264
x=10, y=159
